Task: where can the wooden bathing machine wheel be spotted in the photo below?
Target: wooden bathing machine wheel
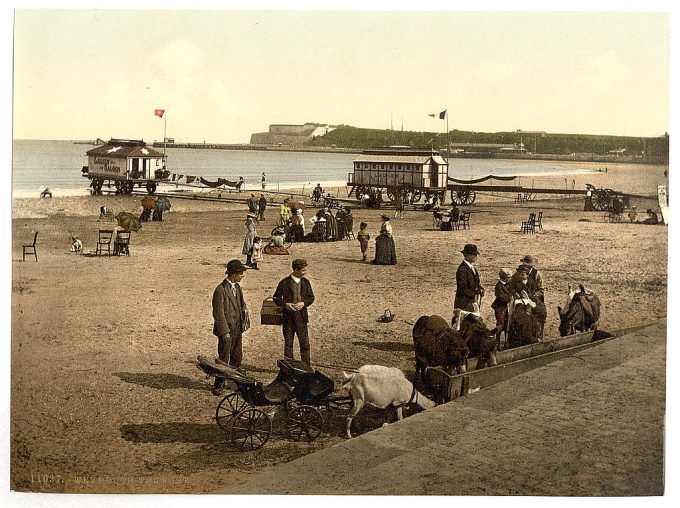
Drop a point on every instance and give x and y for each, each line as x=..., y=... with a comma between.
x=462, y=195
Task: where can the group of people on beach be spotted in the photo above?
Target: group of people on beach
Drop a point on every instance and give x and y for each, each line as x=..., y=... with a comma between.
x=294, y=293
x=521, y=293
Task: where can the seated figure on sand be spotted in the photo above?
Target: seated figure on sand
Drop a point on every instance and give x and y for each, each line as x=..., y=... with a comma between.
x=276, y=243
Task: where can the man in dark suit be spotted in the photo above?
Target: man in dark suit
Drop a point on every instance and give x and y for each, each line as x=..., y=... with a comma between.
x=231, y=318
x=294, y=294
x=468, y=288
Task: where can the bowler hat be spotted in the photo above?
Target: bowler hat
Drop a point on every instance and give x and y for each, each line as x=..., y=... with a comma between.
x=528, y=260
x=299, y=263
x=385, y=216
x=504, y=273
x=470, y=248
x=235, y=266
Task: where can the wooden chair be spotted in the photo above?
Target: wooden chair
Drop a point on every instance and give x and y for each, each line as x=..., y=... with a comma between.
x=105, y=237
x=30, y=249
x=529, y=226
x=539, y=220
x=121, y=244
x=464, y=221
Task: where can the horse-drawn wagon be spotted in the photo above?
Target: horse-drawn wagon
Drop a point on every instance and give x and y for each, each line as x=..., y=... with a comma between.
x=125, y=163
x=399, y=172
x=608, y=200
x=246, y=414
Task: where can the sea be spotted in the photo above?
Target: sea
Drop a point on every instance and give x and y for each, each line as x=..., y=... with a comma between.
x=40, y=164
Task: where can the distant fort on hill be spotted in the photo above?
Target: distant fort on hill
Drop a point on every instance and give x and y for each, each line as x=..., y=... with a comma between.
x=290, y=135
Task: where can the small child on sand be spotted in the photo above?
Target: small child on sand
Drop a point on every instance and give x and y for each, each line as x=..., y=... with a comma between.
x=256, y=252
x=363, y=238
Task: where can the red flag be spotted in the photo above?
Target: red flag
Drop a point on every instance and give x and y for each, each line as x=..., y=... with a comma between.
x=159, y=112
x=432, y=114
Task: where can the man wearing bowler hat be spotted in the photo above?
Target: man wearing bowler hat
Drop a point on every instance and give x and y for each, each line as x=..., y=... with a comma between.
x=231, y=318
x=294, y=294
x=468, y=287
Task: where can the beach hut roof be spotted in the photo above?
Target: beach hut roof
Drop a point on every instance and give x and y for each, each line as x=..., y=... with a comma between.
x=407, y=159
x=410, y=159
x=122, y=148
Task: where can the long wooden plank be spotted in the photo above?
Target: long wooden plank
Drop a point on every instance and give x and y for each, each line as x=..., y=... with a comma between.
x=516, y=361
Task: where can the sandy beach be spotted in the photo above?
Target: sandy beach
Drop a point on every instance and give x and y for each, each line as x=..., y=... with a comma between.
x=105, y=394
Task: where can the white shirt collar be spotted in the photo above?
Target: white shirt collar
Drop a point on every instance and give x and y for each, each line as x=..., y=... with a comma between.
x=472, y=267
x=296, y=279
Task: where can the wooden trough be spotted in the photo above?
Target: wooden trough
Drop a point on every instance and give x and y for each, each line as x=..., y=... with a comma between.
x=513, y=362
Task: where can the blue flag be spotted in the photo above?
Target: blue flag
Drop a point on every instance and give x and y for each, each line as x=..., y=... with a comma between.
x=442, y=115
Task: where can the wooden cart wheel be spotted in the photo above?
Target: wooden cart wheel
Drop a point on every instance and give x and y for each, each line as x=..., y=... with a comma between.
x=228, y=407
x=150, y=187
x=393, y=193
x=250, y=429
x=457, y=196
x=470, y=197
x=464, y=196
x=304, y=423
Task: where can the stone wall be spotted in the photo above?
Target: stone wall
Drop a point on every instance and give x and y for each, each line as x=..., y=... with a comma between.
x=288, y=135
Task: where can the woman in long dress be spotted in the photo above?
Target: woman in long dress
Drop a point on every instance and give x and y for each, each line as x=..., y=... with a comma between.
x=385, y=251
x=250, y=238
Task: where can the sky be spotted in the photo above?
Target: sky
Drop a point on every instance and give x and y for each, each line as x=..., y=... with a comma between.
x=223, y=75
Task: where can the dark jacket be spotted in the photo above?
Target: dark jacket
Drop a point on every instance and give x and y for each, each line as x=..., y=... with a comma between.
x=516, y=287
x=284, y=294
x=229, y=312
x=503, y=295
x=467, y=287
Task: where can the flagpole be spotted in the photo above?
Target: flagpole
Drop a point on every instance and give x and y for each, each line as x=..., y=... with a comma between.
x=448, y=143
x=165, y=130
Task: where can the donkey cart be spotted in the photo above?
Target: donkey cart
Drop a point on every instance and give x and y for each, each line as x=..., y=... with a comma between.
x=246, y=414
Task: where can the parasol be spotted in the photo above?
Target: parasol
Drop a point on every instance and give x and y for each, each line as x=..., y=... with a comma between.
x=163, y=204
x=129, y=221
x=148, y=203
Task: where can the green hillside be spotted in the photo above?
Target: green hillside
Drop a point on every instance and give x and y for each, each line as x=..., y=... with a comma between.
x=345, y=136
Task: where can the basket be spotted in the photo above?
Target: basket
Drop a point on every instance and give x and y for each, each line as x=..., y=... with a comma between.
x=271, y=313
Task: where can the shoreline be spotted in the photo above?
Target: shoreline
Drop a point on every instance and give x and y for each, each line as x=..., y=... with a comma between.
x=566, y=168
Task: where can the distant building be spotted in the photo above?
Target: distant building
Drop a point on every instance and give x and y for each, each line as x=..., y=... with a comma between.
x=289, y=135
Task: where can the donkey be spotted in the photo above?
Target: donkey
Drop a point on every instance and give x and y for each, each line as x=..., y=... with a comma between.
x=581, y=313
